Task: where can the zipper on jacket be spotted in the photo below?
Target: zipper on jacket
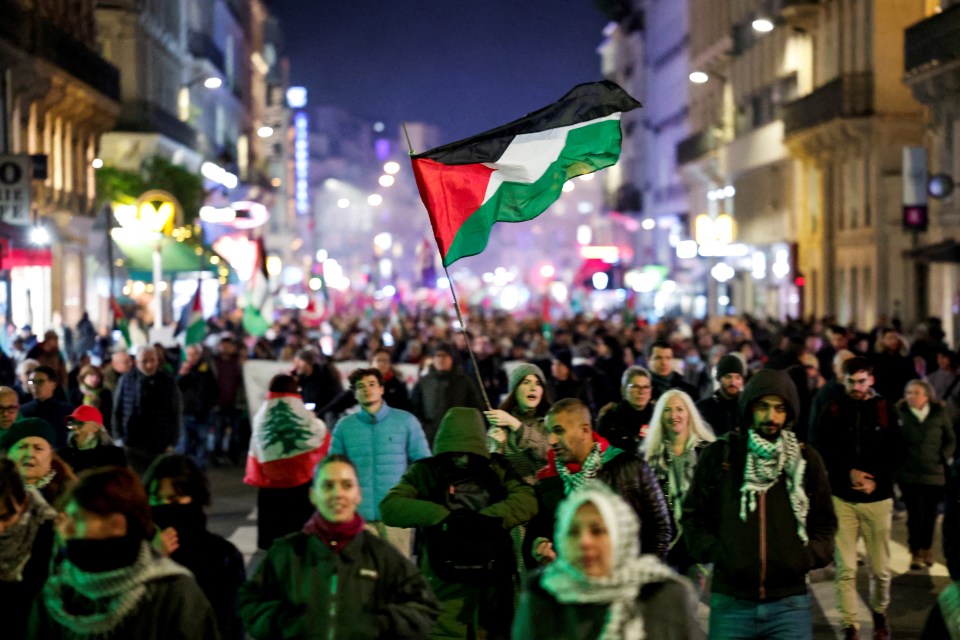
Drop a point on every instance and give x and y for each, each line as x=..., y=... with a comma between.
x=332, y=622
x=763, y=545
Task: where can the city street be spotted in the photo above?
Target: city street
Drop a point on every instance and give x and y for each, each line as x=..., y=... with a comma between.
x=233, y=515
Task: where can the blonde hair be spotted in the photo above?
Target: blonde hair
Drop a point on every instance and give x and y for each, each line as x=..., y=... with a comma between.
x=698, y=430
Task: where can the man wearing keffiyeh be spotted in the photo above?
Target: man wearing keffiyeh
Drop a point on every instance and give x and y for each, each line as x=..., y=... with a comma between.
x=759, y=509
x=577, y=454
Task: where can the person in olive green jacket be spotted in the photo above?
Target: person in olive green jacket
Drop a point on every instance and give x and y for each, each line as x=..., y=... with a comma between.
x=465, y=500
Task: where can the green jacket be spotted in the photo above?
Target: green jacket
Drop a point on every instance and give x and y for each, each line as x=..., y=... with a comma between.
x=467, y=611
x=302, y=589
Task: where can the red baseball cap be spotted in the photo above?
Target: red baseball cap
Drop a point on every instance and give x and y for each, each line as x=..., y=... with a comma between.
x=86, y=413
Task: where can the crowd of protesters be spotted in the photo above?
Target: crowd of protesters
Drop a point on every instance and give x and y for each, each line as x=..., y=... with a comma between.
x=545, y=480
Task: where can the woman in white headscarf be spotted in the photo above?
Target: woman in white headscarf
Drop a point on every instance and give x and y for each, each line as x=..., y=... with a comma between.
x=599, y=587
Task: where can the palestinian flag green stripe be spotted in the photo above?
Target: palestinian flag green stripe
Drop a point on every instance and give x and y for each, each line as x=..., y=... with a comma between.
x=519, y=202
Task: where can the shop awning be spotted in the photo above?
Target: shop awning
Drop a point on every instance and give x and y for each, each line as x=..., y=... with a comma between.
x=945, y=251
x=176, y=257
x=16, y=250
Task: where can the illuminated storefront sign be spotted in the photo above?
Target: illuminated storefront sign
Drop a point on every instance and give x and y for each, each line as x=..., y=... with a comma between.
x=301, y=156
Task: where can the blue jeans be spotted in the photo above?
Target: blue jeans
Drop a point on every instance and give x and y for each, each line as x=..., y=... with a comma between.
x=193, y=440
x=789, y=618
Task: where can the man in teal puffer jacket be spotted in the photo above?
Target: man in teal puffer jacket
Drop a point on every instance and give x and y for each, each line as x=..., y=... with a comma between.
x=382, y=442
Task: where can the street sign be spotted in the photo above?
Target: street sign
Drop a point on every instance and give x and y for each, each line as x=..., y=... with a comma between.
x=15, y=189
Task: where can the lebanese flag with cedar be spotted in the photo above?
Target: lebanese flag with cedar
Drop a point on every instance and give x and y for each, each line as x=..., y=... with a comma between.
x=286, y=442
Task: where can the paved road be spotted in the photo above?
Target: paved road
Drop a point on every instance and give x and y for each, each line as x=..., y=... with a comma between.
x=233, y=516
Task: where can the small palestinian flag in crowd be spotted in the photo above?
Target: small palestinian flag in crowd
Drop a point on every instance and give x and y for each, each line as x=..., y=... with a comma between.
x=514, y=172
x=120, y=321
x=191, y=322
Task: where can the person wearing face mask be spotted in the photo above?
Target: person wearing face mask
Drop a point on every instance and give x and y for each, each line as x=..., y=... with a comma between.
x=677, y=437
x=600, y=586
x=333, y=579
x=89, y=445
x=26, y=542
x=516, y=428
x=179, y=492
x=109, y=581
x=759, y=509
x=29, y=444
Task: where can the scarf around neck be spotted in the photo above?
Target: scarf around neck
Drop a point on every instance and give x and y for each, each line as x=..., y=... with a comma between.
x=631, y=571
x=573, y=480
x=91, y=396
x=16, y=544
x=765, y=462
x=334, y=535
x=112, y=594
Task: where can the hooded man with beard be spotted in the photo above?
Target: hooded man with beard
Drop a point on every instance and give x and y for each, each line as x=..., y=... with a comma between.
x=759, y=509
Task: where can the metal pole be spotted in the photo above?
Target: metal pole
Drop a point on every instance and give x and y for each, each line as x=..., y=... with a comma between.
x=157, y=279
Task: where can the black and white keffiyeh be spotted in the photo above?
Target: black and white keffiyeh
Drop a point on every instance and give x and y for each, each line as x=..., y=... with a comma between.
x=591, y=466
x=766, y=460
x=630, y=571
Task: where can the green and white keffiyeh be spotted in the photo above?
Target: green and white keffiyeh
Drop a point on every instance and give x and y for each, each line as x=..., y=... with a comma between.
x=766, y=460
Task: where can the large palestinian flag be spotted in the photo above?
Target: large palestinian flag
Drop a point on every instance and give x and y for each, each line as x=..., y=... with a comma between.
x=514, y=172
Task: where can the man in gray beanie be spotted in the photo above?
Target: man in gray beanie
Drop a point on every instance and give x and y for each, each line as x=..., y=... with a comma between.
x=720, y=409
x=759, y=508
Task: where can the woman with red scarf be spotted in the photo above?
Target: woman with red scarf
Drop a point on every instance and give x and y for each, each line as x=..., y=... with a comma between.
x=334, y=579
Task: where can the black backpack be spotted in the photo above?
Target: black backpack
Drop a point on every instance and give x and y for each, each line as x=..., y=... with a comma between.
x=467, y=547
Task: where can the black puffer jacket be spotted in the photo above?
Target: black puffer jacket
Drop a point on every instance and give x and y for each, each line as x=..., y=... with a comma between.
x=632, y=478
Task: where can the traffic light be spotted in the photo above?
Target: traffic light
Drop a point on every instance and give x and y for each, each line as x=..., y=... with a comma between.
x=799, y=280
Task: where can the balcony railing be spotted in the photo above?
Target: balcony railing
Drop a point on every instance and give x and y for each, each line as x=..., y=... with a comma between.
x=43, y=39
x=697, y=146
x=145, y=117
x=203, y=47
x=849, y=96
x=935, y=40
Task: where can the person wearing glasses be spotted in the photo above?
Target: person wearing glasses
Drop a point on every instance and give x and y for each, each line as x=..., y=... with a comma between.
x=45, y=405
x=625, y=423
x=90, y=446
x=9, y=407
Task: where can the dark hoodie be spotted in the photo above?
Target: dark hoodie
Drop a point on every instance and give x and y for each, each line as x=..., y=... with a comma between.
x=763, y=557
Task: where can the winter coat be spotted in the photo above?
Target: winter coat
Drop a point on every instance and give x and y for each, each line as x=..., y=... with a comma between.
x=302, y=589
x=661, y=605
x=720, y=412
x=625, y=427
x=320, y=386
x=857, y=434
x=174, y=608
x=923, y=448
x=17, y=597
x=674, y=381
x=52, y=410
x=436, y=392
x=104, y=454
x=951, y=521
x=628, y=475
x=382, y=446
x=526, y=448
x=147, y=413
x=413, y=502
x=198, y=389
x=762, y=558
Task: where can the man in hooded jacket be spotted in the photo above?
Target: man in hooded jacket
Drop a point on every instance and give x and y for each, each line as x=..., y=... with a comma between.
x=759, y=509
x=428, y=497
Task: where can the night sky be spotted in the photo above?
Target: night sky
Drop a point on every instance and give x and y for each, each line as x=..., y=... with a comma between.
x=464, y=65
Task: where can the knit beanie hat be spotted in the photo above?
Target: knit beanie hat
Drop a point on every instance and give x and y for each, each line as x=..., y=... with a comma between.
x=729, y=364
x=521, y=372
x=26, y=428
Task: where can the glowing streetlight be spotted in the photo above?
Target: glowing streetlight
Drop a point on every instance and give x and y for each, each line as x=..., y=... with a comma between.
x=391, y=167
x=39, y=235
x=374, y=200
x=213, y=82
x=343, y=203
x=265, y=131
x=386, y=180
x=762, y=25
x=97, y=163
x=698, y=77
